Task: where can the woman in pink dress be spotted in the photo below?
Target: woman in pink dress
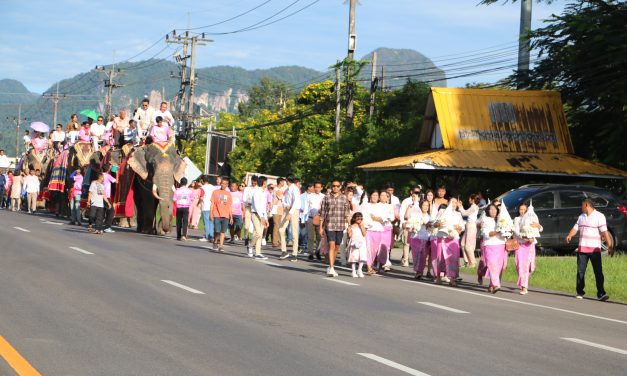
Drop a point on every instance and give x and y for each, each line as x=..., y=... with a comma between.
x=493, y=247
x=194, y=209
x=374, y=225
x=418, y=218
x=387, y=240
x=525, y=256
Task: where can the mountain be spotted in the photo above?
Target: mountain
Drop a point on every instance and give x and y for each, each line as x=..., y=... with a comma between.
x=403, y=64
x=218, y=88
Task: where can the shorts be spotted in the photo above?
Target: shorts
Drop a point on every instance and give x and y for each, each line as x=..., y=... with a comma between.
x=334, y=236
x=220, y=225
x=238, y=221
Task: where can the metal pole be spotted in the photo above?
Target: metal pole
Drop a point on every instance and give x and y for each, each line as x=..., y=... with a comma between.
x=338, y=105
x=208, y=147
x=373, y=88
x=17, y=132
x=351, y=51
x=56, y=101
x=524, y=44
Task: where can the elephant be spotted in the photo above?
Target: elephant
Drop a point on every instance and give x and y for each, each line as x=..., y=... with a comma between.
x=157, y=167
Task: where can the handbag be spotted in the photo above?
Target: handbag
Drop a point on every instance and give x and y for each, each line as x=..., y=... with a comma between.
x=511, y=245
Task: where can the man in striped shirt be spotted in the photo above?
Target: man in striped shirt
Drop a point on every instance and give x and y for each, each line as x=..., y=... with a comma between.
x=591, y=225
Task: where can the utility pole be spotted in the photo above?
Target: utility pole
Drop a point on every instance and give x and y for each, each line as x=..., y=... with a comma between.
x=186, y=93
x=373, y=82
x=110, y=85
x=382, y=78
x=524, y=44
x=55, y=99
x=208, y=146
x=338, y=99
x=352, y=43
x=18, y=122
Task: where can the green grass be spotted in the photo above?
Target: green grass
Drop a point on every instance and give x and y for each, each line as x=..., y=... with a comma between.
x=560, y=273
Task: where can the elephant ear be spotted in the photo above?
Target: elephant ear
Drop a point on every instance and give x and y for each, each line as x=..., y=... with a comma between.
x=137, y=161
x=179, y=168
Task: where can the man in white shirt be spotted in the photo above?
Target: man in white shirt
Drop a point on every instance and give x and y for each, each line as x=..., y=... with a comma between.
x=4, y=160
x=291, y=212
x=314, y=201
x=165, y=115
x=248, y=202
x=413, y=199
x=259, y=217
x=97, y=131
x=205, y=203
x=144, y=116
x=591, y=226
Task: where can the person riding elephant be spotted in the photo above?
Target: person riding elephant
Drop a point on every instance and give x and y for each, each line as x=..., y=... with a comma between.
x=157, y=166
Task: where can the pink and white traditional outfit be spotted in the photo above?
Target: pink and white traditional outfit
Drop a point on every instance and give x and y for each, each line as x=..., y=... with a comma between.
x=357, y=250
x=526, y=254
x=83, y=134
x=448, y=241
x=387, y=238
x=195, y=210
x=374, y=233
x=494, y=251
x=419, y=242
x=469, y=240
x=161, y=133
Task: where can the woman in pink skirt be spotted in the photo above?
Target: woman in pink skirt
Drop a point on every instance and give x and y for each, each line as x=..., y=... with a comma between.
x=429, y=197
x=437, y=256
x=194, y=210
x=451, y=225
x=419, y=236
x=387, y=240
x=493, y=248
x=526, y=229
x=373, y=221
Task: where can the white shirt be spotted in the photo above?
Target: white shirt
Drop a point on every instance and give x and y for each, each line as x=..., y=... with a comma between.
x=259, y=202
x=590, y=228
x=384, y=211
x=404, y=205
x=144, y=118
x=472, y=212
x=206, y=200
x=314, y=202
x=291, y=199
x=248, y=195
x=58, y=136
x=488, y=225
x=97, y=130
x=166, y=116
x=4, y=161
x=72, y=135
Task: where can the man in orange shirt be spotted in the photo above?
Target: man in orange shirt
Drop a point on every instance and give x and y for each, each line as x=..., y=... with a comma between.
x=221, y=213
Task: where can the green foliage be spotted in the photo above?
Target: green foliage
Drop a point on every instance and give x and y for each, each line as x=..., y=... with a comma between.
x=268, y=95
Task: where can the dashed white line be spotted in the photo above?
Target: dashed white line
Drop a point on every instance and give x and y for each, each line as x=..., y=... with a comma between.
x=81, y=250
x=443, y=307
x=21, y=229
x=269, y=263
x=597, y=345
x=394, y=365
x=53, y=223
x=340, y=281
x=187, y=288
x=484, y=295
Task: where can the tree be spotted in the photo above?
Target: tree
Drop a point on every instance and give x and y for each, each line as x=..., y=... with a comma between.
x=268, y=95
x=583, y=54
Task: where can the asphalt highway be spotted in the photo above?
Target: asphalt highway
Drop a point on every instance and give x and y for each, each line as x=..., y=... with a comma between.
x=74, y=303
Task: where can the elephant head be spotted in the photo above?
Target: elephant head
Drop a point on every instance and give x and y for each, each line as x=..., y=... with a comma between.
x=161, y=166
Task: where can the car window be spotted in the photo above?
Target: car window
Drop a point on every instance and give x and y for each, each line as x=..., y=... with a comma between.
x=513, y=198
x=571, y=199
x=543, y=200
x=599, y=201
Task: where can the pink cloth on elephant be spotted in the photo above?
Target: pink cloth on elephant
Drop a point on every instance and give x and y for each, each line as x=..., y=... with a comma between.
x=450, y=252
x=373, y=245
x=494, y=260
x=437, y=256
x=525, y=262
x=419, y=251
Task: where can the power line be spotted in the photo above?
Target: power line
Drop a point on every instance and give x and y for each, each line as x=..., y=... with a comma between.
x=229, y=19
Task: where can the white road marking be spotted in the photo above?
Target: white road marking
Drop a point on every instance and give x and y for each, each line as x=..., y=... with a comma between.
x=392, y=364
x=187, y=288
x=81, y=250
x=597, y=345
x=21, y=229
x=443, y=307
x=485, y=295
x=269, y=263
x=52, y=223
x=340, y=281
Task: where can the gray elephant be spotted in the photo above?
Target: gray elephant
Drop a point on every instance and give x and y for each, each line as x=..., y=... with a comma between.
x=158, y=167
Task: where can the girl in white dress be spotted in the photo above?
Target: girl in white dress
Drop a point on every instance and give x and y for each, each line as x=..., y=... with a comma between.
x=357, y=251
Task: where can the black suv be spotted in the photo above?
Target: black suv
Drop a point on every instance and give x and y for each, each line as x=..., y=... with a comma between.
x=559, y=206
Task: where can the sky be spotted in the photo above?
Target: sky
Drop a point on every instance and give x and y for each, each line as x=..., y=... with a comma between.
x=42, y=42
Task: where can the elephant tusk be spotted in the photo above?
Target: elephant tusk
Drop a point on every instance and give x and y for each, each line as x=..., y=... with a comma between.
x=154, y=192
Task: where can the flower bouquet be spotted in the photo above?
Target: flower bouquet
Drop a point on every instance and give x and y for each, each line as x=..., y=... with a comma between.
x=413, y=224
x=504, y=223
x=529, y=232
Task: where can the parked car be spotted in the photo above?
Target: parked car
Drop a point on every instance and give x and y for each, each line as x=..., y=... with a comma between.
x=559, y=206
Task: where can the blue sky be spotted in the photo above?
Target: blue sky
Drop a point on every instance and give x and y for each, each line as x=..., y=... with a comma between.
x=42, y=42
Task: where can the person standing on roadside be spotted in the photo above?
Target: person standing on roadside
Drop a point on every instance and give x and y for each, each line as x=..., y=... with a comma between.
x=291, y=213
x=237, y=209
x=334, y=218
x=221, y=213
x=205, y=204
x=16, y=191
x=108, y=179
x=75, y=197
x=314, y=202
x=96, y=201
x=259, y=217
x=183, y=196
x=276, y=211
x=31, y=186
x=591, y=226
x=248, y=202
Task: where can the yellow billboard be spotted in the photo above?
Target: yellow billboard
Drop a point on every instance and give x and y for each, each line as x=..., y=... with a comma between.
x=499, y=120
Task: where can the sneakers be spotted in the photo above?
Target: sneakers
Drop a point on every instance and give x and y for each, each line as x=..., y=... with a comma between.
x=260, y=257
x=250, y=252
x=360, y=274
x=446, y=279
x=579, y=297
x=109, y=230
x=603, y=297
x=354, y=274
x=221, y=249
x=331, y=272
x=202, y=240
x=284, y=255
x=294, y=258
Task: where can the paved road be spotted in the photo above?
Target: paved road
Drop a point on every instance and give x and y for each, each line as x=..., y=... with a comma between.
x=72, y=303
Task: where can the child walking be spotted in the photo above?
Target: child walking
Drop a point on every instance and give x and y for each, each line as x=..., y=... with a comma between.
x=357, y=251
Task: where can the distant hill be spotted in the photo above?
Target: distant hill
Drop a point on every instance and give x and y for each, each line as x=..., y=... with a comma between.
x=402, y=64
x=218, y=88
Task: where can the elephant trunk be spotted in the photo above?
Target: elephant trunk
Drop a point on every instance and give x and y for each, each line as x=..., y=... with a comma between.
x=154, y=192
x=162, y=190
